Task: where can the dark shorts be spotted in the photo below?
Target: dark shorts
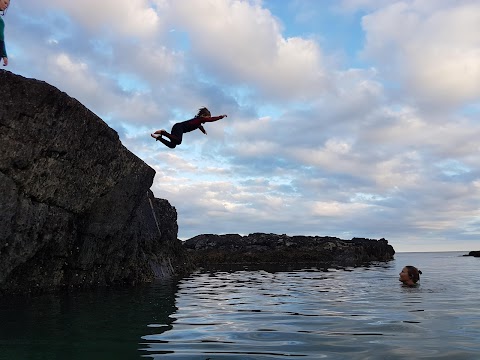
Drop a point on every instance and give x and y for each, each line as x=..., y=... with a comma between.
x=177, y=131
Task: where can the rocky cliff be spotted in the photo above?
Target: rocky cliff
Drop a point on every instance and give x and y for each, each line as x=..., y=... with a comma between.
x=75, y=204
x=473, y=253
x=259, y=248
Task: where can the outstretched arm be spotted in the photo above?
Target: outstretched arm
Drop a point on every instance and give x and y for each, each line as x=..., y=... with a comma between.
x=212, y=118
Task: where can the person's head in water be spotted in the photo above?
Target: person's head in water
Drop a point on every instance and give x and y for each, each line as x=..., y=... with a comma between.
x=4, y=5
x=203, y=112
x=409, y=275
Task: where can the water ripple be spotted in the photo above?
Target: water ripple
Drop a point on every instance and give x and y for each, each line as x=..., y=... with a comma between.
x=312, y=313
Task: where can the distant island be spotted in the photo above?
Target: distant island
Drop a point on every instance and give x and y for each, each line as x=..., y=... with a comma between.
x=473, y=253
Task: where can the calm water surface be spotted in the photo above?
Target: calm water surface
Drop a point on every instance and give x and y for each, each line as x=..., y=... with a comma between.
x=361, y=313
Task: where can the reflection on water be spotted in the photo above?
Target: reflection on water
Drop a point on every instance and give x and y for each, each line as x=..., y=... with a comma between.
x=105, y=324
x=361, y=313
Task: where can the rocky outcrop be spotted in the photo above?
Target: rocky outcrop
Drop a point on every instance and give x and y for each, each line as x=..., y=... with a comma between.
x=473, y=253
x=258, y=248
x=75, y=204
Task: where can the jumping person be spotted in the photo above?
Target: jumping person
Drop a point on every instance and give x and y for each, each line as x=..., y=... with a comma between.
x=175, y=138
x=3, y=52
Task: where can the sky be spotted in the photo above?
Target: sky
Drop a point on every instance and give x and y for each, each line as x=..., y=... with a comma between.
x=353, y=118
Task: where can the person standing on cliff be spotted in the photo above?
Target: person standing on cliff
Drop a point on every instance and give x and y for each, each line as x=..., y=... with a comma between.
x=175, y=138
x=3, y=52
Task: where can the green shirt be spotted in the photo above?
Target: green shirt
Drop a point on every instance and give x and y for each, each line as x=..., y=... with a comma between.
x=3, y=51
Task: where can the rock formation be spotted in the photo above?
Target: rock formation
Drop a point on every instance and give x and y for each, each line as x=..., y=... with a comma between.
x=75, y=204
x=259, y=248
x=473, y=253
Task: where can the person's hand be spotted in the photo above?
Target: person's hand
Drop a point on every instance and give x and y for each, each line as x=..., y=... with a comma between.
x=5, y=61
x=224, y=115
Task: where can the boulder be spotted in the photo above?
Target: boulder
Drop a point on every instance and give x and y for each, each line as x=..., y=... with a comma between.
x=76, y=206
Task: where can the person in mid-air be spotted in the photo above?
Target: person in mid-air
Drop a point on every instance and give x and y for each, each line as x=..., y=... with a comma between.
x=409, y=275
x=3, y=52
x=175, y=138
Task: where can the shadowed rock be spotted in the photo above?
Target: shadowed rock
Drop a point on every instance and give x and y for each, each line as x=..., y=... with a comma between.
x=259, y=248
x=75, y=204
x=473, y=253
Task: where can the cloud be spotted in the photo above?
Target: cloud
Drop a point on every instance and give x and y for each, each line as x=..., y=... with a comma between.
x=241, y=42
x=435, y=56
x=119, y=18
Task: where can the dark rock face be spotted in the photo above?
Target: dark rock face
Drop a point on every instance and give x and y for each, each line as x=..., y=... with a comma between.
x=75, y=204
x=473, y=253
x=261, y=248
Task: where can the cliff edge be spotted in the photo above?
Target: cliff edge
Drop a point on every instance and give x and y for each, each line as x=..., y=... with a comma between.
x=75, y=204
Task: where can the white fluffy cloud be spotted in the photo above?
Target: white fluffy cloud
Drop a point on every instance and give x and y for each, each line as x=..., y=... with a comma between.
x=118, y=18
x=242, y=42
x=432, y=51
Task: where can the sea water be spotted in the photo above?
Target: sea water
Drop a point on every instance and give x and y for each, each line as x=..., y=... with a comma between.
x=308, y=313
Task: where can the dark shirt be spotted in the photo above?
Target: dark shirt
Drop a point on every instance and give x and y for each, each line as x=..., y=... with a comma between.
x=196, y=123
x=192, y=124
